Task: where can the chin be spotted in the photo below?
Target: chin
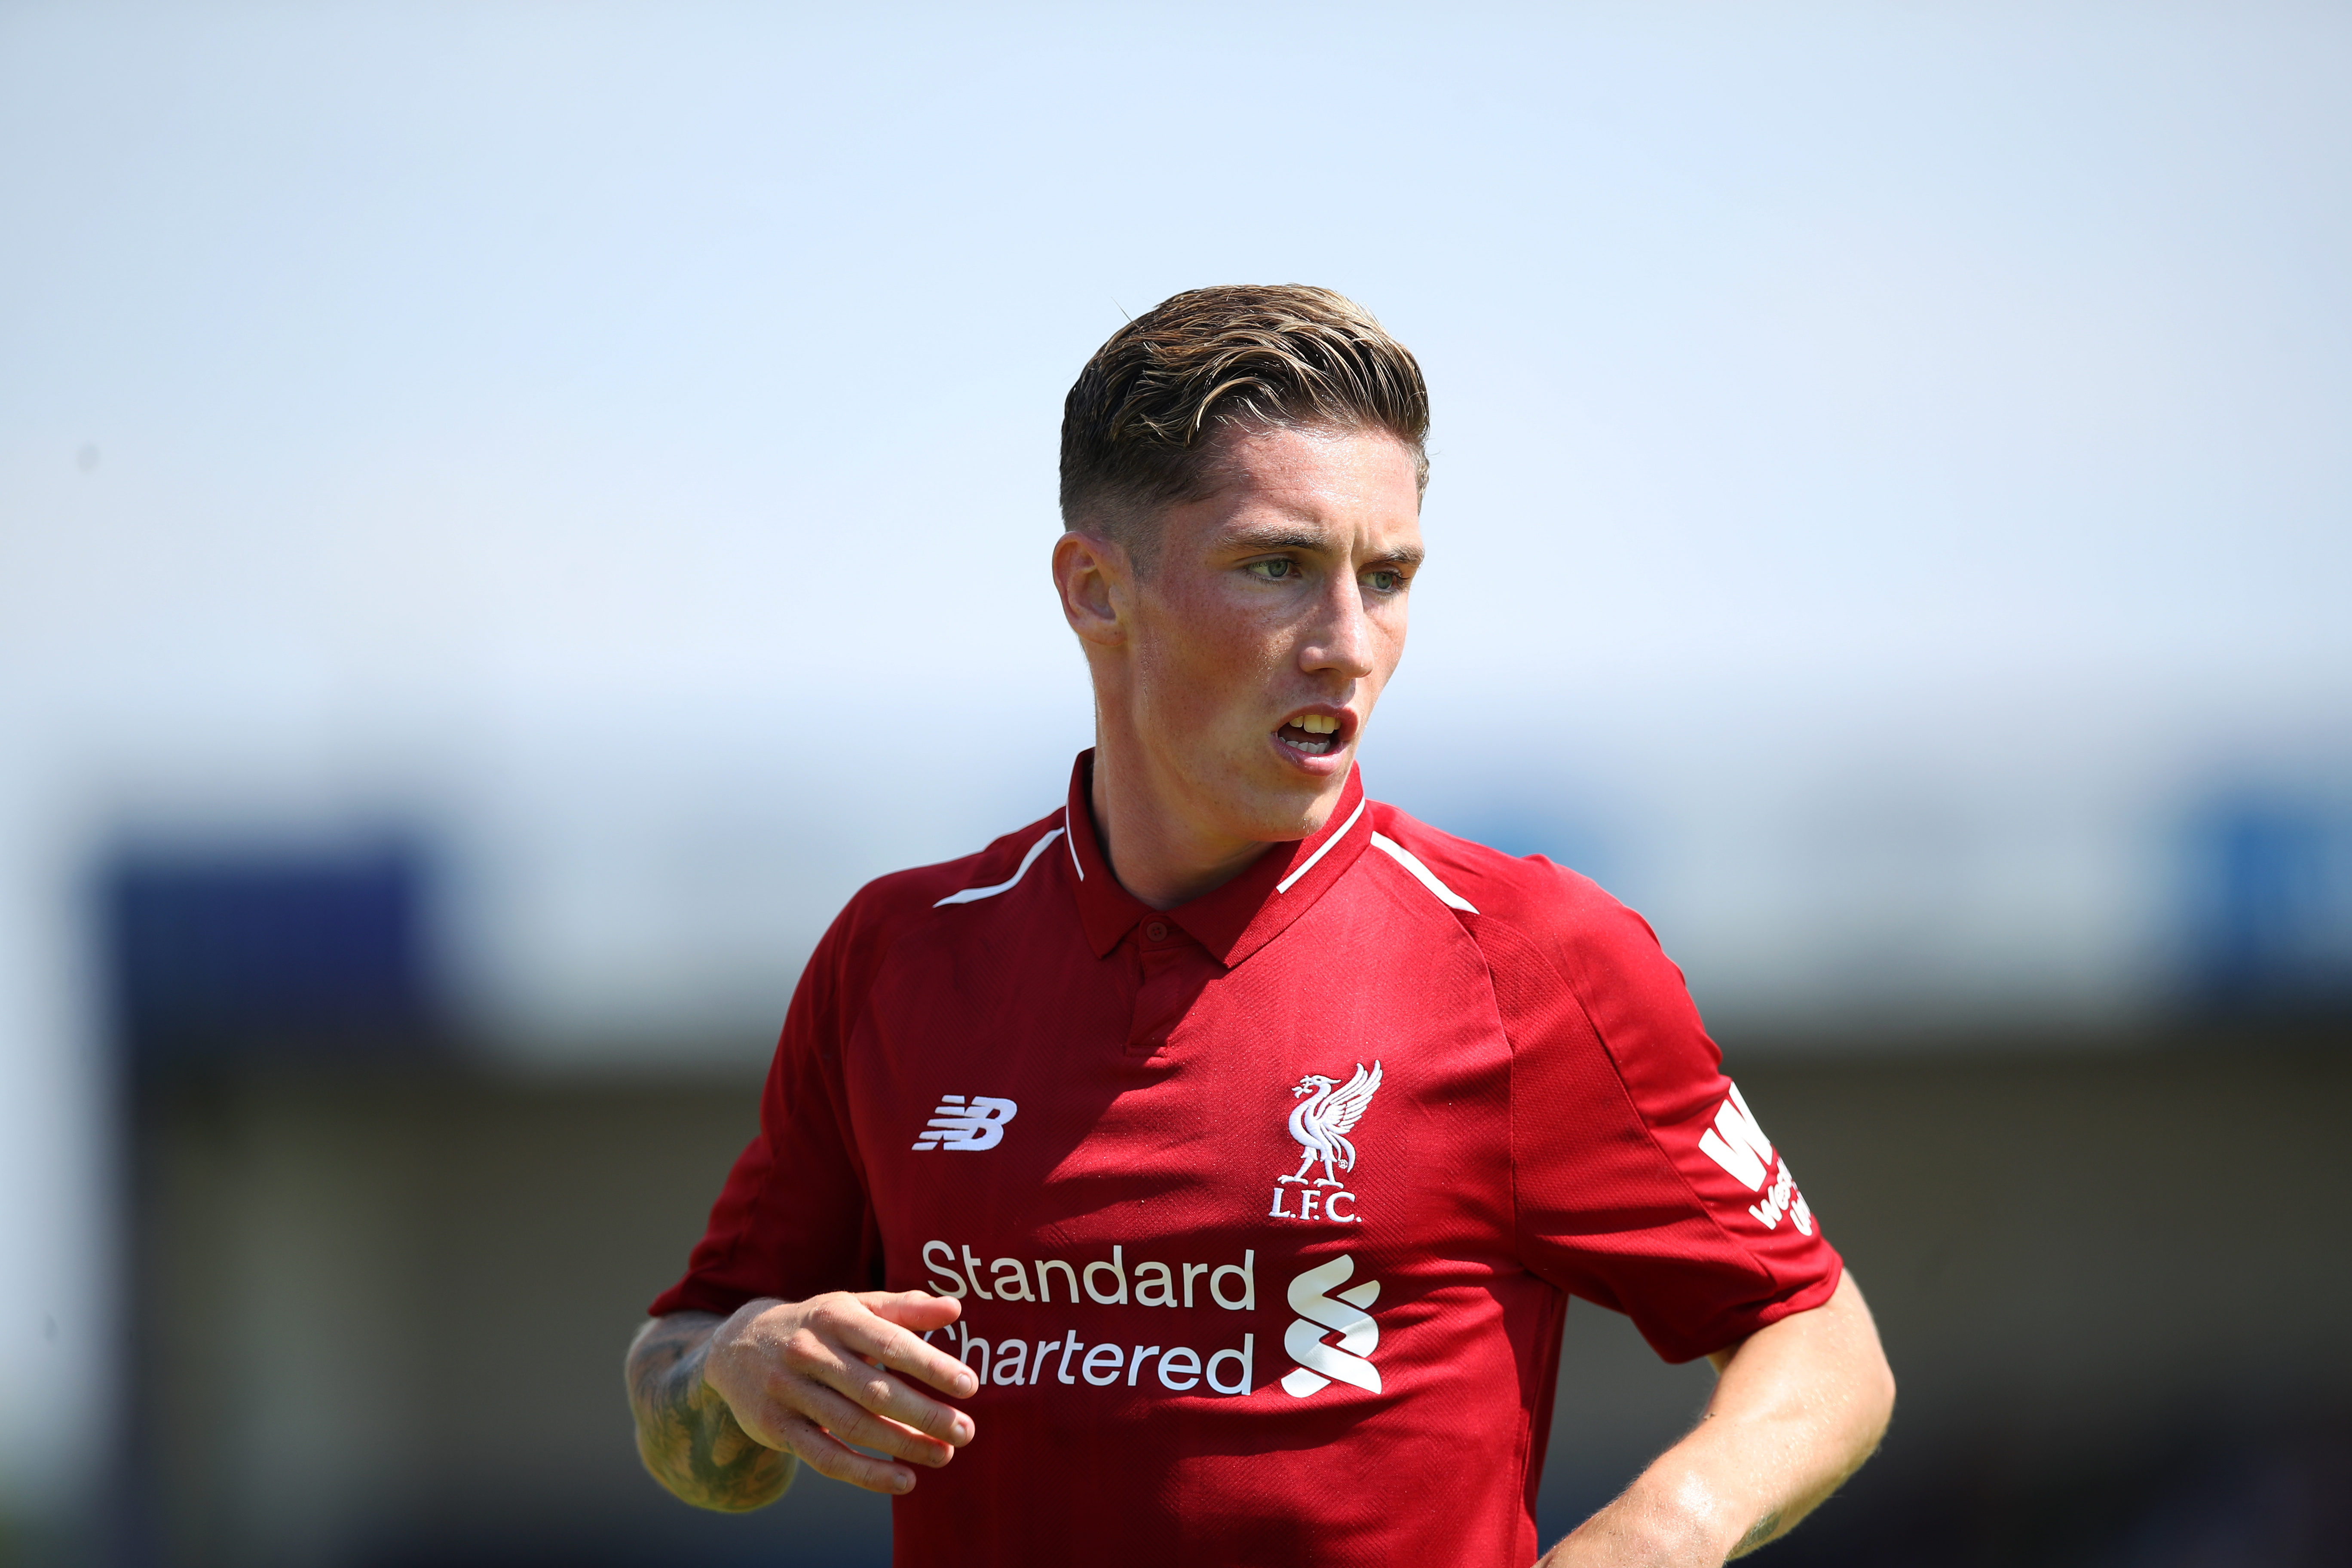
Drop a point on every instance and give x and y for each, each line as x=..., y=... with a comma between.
x=1282, y=809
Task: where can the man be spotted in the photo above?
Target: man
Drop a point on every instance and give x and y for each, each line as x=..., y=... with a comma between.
x=1205, y=1168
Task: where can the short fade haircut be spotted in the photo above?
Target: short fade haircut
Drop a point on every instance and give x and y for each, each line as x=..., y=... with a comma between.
x=1140, y=427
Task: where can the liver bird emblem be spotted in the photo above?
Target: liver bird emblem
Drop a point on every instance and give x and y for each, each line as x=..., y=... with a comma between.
x=1322, y=1122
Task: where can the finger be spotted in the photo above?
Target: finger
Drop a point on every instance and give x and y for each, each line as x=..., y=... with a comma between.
x=788, y=1407
x=916, y=1309
x=879, y=1333
x=821, y=1452
x=853, y=1423
x=889, y=1331
x=876, y=1390
x=824, y=1352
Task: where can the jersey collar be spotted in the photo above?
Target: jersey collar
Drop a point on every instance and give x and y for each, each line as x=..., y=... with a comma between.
x=1232, y=922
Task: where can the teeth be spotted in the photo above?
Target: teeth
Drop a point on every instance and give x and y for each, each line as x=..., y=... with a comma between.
x=1317, y=724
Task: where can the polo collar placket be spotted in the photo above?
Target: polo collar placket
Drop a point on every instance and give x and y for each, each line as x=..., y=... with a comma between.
x=1234, y=920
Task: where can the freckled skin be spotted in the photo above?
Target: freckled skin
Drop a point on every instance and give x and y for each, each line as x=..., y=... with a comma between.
x=1285, y=588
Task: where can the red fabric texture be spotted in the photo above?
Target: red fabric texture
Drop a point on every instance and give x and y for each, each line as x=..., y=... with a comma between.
x=1545, y=1095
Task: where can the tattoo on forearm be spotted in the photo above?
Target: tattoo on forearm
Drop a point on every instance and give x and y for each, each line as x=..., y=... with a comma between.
x=1764, y=1529
x=686, y=1436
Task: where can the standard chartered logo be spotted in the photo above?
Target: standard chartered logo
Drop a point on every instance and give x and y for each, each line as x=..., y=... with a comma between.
x=1320, y=1311
x=1332, y=1337
x=1019, y=1359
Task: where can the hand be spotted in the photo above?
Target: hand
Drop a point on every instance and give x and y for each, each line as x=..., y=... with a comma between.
x=809, y=1378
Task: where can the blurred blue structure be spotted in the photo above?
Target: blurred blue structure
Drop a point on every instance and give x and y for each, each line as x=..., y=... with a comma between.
x=2271, y=905
x=275, y=950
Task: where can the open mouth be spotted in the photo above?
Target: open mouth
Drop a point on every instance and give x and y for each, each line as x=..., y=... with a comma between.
x=1313, y=734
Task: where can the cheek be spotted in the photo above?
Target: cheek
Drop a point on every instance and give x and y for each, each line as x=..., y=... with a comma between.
x=1390, y=624
x=1202, y=656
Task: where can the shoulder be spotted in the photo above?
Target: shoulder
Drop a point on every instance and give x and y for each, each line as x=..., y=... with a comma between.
x=1561, y=913
x=890, y=906
x=1556, y=942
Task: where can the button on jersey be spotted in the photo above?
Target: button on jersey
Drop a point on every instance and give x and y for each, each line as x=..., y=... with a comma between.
x=1262, y=1211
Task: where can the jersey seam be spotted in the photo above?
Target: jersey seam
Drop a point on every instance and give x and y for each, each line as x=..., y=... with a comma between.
x=1511, y=1052
x=1401, y=870
x=1617, y=1074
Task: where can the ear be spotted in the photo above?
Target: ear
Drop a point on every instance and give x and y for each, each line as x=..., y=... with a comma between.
x=1094, y=579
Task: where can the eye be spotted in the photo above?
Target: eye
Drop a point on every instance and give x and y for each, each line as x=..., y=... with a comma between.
x=1387, y=579
x=1277, y=571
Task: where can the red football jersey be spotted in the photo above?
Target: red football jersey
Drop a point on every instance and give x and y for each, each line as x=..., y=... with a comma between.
x=1263, y=1211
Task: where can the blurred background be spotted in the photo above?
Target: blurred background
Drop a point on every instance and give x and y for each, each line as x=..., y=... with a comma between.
x=509, y=513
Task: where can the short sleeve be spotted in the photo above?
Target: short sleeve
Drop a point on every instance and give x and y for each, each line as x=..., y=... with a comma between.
x=793, y=1219
x=1641, y=1181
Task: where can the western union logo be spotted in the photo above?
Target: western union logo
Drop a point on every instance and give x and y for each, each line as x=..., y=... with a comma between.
x=1738, y=1144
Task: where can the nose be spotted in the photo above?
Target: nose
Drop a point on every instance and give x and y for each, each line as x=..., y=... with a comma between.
x=1341, y=639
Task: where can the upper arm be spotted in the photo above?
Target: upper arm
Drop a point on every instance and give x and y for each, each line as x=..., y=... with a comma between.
x=1823, y=1367
x=1641, y=1184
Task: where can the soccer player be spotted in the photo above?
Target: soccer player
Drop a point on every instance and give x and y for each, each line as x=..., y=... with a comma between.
x=1205, y=1168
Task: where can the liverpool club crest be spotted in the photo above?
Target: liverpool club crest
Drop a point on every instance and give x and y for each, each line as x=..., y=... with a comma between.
x=1327, y=1111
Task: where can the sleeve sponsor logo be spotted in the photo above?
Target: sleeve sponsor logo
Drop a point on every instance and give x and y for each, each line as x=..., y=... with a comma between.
x=1738, y=1144
x=1322, y=1310
x=1327, y=1111
x=956, y=1124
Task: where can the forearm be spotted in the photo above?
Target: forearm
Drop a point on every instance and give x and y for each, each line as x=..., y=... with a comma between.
x=1698, y=1506
x=1796, y=1410
x=686, y=1434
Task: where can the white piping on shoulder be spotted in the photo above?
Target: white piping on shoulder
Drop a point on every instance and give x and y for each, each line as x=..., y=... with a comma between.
x=1071, y=844
x=1421, y=873
x=968, y=894
x=1284, y=886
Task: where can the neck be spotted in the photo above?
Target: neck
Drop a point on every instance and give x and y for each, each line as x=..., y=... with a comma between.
x=1160, y=851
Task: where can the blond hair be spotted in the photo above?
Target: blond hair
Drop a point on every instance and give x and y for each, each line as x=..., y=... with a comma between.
x=1139, y=425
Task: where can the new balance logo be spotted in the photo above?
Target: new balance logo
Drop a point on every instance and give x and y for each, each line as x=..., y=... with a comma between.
x=1319, y=1364
x=956, y=1124
x=1738, y=1144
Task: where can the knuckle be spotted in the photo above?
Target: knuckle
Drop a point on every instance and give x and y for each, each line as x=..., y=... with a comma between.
x=835, y=1464
x=840, y=1417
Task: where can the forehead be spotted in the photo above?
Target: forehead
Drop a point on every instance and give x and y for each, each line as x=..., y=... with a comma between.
x=1330, y=481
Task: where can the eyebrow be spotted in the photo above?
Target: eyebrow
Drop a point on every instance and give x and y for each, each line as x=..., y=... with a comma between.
x=1275, y=537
